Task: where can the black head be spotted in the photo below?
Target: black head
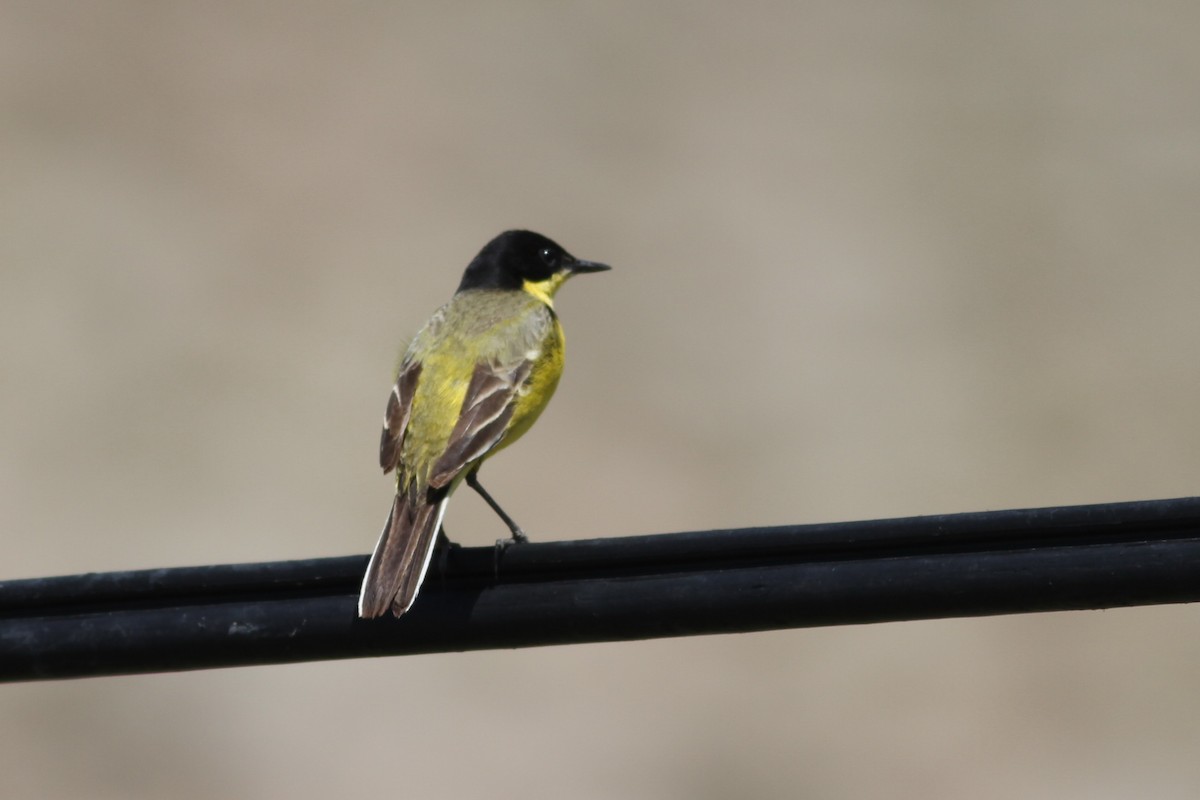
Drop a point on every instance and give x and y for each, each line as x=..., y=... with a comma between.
x=516, y=257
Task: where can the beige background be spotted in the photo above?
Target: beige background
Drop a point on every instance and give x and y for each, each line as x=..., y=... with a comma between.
x=871, y=260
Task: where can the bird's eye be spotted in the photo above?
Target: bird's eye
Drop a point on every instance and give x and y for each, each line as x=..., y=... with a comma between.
x=549, y=257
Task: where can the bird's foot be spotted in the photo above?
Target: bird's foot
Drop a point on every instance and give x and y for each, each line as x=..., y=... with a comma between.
x=518, y=537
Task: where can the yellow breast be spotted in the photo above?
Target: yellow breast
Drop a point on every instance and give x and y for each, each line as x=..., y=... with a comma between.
x=543, y=380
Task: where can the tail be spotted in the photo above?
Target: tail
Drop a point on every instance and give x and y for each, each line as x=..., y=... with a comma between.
x=401, y=558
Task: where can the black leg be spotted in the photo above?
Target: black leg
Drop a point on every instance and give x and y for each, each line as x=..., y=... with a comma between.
x=518, y=535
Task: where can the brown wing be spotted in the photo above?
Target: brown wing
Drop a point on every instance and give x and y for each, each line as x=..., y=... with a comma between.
x=486, y=410
x=395, y=419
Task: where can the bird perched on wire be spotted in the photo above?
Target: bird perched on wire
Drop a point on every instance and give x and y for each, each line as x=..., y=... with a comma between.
x=473, y=380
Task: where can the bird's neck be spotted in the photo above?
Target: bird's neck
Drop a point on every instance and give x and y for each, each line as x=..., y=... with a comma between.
x=544, y=290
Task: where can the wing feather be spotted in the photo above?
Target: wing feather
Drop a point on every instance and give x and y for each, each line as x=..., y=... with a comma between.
x=395, y=418
x=486, y=411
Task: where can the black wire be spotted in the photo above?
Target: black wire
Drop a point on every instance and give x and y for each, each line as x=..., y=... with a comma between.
x=723, y=581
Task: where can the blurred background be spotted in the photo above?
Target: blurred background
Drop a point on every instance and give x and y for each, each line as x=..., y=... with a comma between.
x=871, y=260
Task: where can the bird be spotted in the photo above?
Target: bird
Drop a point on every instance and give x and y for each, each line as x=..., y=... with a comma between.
x=472, y=381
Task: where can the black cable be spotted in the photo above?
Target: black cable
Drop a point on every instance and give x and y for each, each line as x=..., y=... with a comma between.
x=725, y=581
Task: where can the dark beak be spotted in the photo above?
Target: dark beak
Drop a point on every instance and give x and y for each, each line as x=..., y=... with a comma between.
x=587, y=266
